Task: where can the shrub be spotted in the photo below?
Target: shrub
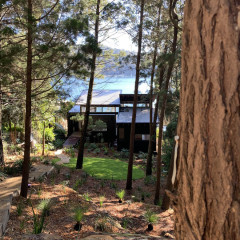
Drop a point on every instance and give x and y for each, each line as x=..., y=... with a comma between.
x=49, y=134
x=92, y=146
x=97, y=151
x=142, y=155
x=70, y=151
x=124, y=153
x=149, y=180
x=87, y=197
x=104, y=224
x=58, y=143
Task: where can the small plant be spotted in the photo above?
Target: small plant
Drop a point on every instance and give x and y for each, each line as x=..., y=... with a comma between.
x=20, y=208
x=45, y=206
x=125, y=222
x=113, y=185
x=124, y=153
x=101, y=200
x=38, y=221
x=151, y=218
x=149, y=180
x=78, y=216
x=120, y=195
x=22, y=225
x=87, y=197
x=41, y=179
x=39, y=192
x=104, y=224
x=78, y=184
x=97, y=151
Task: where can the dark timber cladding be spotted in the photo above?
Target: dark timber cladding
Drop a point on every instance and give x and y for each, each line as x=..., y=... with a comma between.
x=115, y=109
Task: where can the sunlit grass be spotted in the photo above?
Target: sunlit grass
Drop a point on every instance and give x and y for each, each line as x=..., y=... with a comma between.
x=106, y=168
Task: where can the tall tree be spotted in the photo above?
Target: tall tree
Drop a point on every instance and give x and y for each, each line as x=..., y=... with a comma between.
x=26, y=162
x=207, y=201
x=164, y=101
x=95, y=50
x=152, y=126
x=132, y=134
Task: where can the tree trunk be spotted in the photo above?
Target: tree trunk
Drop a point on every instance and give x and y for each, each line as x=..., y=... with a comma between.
x=43, y=140
x=207, y=202
x=1, y=142
x=79, y=164
x=152, y=130
x=26, y=162
x=132, y=135
x=162, y=113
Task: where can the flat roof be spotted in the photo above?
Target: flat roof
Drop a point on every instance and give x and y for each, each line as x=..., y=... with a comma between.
x=101, y=97
x=129, y=98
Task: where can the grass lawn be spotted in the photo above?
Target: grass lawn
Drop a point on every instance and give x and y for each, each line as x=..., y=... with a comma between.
x=106, y=168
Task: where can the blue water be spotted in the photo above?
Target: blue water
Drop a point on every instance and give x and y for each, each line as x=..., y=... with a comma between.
x=108, y=83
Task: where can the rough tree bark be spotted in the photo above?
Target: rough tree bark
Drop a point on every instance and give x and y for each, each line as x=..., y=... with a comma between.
x=207, y=201
x=26, y=161
x=152, y=125
x=162, y=114
x=79, y=164
x=132, y=135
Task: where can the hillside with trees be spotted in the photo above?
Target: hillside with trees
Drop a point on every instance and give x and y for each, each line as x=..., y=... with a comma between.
x=62, y=184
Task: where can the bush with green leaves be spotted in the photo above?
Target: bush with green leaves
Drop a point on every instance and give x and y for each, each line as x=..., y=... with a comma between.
x=149, y=180
x=97, y=151
x=92, y=146
x=15, y=168
x=49, y=134
x=142, y=155
x=58, y=143
x=70, y=151
x=124, y=153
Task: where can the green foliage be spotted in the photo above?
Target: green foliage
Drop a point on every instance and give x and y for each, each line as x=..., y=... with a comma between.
x=87, y=197
x=78, y=214
x=38, y=221
x=77, y=117
x=142, y=155
x=168, y=144
x=15, y=168
x=151, y=217
x=149, y=180
x=78, y=184
x=101, y=200
x=92, y=146
x=104, y=224
x=49, y=134
x=106, y=168
x=124, y=153
x=20, y=207
x=97, y=151
x=45, y=206
x=70, y=151
x=120, y=194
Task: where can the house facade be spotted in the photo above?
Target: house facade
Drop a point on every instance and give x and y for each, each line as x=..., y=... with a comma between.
x=115, y=110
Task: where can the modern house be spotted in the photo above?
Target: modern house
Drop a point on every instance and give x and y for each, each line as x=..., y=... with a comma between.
x=115, y=109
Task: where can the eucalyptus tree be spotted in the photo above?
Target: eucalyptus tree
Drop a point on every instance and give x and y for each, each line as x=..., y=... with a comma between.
x=170, y=65
x=206, y=201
